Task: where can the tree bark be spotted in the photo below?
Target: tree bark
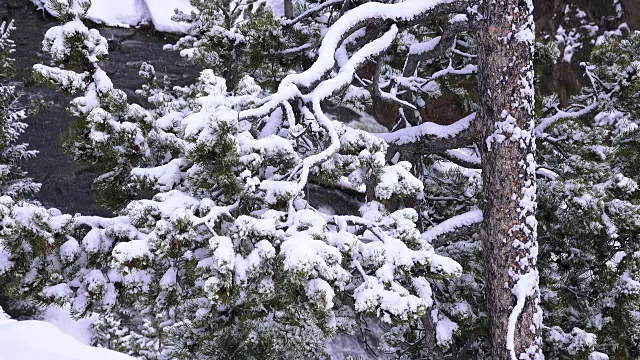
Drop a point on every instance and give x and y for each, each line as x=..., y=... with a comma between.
x=509, y=237
x=430, y=341
x=288, y=9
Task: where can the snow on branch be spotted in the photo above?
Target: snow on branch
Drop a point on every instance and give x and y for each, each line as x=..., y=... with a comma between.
x=294, y=85
x=575, y=111
x=312, y=11
x=408, y=11
x=433, y=48
x=429, y=138
x=453, y=224
x=328, y=87
x=461, y=158
x=562, y=114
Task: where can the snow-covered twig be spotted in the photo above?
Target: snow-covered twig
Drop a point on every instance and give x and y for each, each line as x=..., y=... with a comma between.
x=563, y=114
x=433, y=48
x=311, y=12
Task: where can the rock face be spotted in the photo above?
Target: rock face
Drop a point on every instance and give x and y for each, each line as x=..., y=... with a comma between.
x=67, y=185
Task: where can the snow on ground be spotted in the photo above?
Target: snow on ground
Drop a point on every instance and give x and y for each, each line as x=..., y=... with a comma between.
x=59, y=337
x=39, y=340
x=118, y=12
x=126, y=13
x=61, y=318
x=161, y=11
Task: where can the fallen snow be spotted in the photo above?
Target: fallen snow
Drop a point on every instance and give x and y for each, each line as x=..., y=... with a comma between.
x=40, y=340
x=126, y=13
x=78, y=329
x=118, y=12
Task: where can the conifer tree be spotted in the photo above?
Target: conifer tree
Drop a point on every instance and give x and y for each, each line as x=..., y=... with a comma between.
x=232, y=38
x=589, y=253
x=15, y=259
x=223, y=255
x=13, y=179
x=228, y=259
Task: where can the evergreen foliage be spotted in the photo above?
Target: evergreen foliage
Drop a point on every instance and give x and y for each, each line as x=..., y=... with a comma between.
x=216, y=251
x=228, y=259
x=589, y=216
x=232, y=38
x=16, y=260
x=13, y=179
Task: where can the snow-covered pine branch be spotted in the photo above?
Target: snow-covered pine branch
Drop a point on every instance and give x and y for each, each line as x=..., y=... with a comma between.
x=228, y=231
x=218, y=249
x=13, y=178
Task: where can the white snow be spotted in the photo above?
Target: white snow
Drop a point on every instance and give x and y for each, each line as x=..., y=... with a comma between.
x=423, y=47
x=160, y=13
x=445, y=329
x=413, y=134
x=126, y=13
x=449, y=225
x=61, y=318
x=524, y=287
x=119, y=12
x=525, y=35
x=39, y=340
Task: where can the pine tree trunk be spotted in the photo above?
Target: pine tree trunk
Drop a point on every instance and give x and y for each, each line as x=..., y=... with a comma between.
x=430, y=341
x=509, y=238
x=288, y=9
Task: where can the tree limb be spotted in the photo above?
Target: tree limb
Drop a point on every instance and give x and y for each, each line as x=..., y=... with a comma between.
x=431, y=138
x=442, y=45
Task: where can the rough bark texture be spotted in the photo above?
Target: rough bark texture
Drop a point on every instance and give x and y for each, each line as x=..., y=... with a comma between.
x=430, y=341
x=288, y=9
x=505, y=72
